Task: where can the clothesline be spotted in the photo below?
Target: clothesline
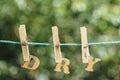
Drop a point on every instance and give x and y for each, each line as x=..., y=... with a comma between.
x=61, y=44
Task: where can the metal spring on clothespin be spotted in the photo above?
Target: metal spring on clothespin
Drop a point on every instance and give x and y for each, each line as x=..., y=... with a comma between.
x=25, y=50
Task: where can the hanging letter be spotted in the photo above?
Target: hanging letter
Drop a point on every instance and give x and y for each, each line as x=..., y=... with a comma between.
x=91, y=63
x=64, y=65
x=35, y=64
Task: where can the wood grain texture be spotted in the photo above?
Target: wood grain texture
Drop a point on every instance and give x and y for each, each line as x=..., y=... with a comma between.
x=56, y=42
x=84, y=42
x=23, y=40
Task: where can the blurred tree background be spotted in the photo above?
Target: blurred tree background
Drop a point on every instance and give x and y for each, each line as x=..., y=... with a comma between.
x=101, y=17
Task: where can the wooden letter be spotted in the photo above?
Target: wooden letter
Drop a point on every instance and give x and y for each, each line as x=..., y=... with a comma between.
x=64, y=64
x=35, y=64
x=91, y=63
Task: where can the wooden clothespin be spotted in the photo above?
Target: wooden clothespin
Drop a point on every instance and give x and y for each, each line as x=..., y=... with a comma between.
x=85, y=49
x=86, y=58
x=24, y=44
x=58, y=56
x=26, y=55
x=57, y=49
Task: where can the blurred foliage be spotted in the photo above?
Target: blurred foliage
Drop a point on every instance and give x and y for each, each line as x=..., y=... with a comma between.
x=101, y=17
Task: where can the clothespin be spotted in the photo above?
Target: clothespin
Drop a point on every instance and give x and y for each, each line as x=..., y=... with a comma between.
x=26, y=55
x=24, y=44
x=57, y=49
x=85, y=49
x=86, y=58
x=58, y=56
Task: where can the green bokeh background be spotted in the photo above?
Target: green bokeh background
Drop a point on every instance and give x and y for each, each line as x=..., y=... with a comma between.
x=101, y=17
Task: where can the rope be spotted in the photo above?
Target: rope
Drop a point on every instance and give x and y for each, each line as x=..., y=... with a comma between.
x=61, y=44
